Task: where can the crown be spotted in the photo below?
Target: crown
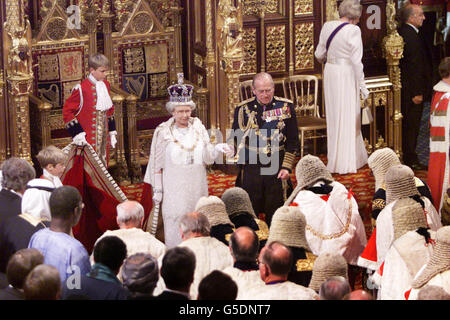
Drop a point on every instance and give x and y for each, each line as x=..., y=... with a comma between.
x=180, y=92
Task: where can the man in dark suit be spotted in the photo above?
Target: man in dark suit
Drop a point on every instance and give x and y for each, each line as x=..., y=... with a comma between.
x=177, y=270
x=16, y=174
x=416, y=73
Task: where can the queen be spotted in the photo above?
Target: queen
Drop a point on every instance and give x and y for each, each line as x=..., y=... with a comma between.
x=179, y=153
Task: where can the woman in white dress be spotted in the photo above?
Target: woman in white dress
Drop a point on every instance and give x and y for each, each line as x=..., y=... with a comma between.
x=343, y=82
x=179, y=153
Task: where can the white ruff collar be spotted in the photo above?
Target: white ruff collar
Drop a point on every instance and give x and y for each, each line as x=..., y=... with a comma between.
x=54, y=179
x=442, y=86
x=104, y=101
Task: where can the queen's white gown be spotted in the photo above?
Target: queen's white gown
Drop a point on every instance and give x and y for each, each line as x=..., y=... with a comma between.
x=184, y=178
x=343, y=80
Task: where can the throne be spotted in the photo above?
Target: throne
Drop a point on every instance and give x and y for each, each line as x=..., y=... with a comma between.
x=60, y=61
x=146, y=57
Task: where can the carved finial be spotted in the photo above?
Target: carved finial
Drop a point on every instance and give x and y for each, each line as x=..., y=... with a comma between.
x=106, y=8
x=391, y=23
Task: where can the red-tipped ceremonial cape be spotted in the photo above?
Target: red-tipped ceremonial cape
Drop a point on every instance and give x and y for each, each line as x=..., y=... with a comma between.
x=101, y=194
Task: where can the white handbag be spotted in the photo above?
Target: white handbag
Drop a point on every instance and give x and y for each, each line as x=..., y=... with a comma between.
x=367, y=117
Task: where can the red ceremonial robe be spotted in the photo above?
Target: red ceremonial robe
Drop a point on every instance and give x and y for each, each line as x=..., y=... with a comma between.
x=100, y=193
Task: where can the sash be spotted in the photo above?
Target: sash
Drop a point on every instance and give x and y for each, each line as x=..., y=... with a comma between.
x=333, y=34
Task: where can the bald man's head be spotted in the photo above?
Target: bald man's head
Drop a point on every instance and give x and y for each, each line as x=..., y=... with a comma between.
x=358, y=295
x=244, y=245
x=277, y=257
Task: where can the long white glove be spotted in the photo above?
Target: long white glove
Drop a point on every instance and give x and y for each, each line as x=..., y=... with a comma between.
x=112, y=136
x=364, y=93
x=80, y=139
x=157, y=188
x=225, y=148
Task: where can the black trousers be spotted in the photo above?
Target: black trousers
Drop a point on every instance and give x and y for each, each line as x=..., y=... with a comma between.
x=412, y=114
x=265, y=191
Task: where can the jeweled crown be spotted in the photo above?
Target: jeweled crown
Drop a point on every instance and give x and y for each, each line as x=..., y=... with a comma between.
x=180, y=92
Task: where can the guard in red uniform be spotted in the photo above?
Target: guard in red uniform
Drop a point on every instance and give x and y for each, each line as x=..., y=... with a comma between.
x=89, y=112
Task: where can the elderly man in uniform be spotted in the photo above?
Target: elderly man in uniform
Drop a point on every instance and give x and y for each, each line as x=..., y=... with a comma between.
x=266, y=136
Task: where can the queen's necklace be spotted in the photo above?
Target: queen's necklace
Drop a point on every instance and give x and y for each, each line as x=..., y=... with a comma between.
x=178, y=143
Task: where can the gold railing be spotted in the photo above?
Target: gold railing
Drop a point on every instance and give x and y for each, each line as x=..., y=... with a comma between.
x=381, y=103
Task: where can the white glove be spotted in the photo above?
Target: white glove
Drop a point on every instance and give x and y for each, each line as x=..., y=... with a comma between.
x=80, y=139
x=112, y=136
x=364, y=93
x=157, y=188
x=224, y=148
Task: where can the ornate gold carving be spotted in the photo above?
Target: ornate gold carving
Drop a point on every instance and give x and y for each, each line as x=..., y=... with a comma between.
x=251, y=7
x=369, y=147
x=276, y=48
x=304, y=46
x=271, y=6
x=229, y=27
x=332, y=11
x=198, y=60
x=380, y=99
x=380, y=143
x=250, y=63
x=2, y=83
x=19, y=54
x=306, y=264
x=199, y=80
x=397, y=116
x=57, y=29
x=303, y=7
x=393, y=51
x=391, y=23
x=142, y=23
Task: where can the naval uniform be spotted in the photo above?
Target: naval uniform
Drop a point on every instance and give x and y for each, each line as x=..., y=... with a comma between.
x=266, y=140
